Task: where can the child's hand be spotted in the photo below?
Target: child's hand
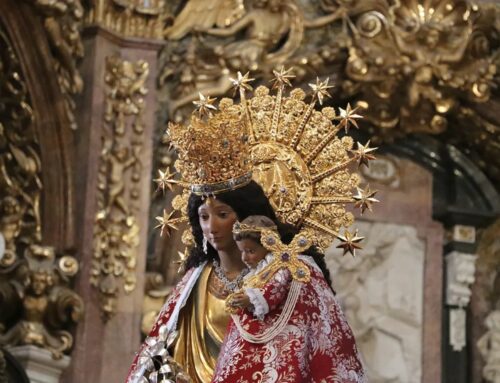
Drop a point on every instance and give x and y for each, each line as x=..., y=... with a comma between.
x=240, y=299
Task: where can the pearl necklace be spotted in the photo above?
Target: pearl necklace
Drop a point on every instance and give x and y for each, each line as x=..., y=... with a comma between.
x=231, y=286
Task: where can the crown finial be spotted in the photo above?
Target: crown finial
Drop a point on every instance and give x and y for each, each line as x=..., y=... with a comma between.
x=364, y=153
x=282, y=77
x=204, y=105
x=320, y=89
x=241, y=82
x=348, y=117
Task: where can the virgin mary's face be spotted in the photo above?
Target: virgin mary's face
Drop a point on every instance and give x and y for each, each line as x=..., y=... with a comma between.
x=216, y=221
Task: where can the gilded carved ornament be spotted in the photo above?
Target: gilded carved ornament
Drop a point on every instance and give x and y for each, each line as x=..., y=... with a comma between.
x=62, y=20
x=131, y=18
x=20, y=164
x=38, y=287
x=414, y=66
x=116, y=231
x=34, y=283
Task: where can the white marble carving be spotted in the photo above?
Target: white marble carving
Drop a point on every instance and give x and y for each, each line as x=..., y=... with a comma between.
x=457, y=329
x=489, y=346
x=460, y=269
x=381, y=291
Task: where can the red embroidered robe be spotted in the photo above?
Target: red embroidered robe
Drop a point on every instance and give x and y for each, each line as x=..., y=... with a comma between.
x=316, y=345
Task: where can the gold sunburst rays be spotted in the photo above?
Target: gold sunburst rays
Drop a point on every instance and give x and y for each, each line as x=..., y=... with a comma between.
x=281, y=79
x=320, y=90
x=242, y=84
x=166, y=222
x=297, y=157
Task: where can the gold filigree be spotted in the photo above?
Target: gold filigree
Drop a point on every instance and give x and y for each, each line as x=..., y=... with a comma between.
x=129, y=17
x=116, y=232
x=41, y=287
x=295, y=155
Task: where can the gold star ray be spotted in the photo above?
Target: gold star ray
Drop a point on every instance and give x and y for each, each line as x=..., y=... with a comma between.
x=365, y=198
x=166, y=222
x=204, y=105
x=166, y=180
x=241, y=82
x=348, y=117
x=364, y=154
x=349, y=242
x=320, y=89
x=282, y=77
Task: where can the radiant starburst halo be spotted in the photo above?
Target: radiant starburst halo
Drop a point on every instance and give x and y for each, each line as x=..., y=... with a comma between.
x=287, y=145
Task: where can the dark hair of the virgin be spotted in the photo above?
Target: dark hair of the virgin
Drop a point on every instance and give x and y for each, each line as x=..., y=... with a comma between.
x=245, y=201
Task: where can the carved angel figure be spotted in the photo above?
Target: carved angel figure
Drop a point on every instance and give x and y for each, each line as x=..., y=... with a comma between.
x=40, y=304
x=271, y=31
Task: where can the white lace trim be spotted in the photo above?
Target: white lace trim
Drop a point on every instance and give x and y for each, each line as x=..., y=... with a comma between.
x=259, y=303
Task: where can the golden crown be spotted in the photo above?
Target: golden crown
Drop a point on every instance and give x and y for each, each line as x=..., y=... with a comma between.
x=293, y=152
x=213, y=150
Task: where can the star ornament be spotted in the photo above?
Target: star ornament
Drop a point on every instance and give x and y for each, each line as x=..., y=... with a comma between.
x=241, y=82
x=205, y=105
x=165, y=180
x=365, y=198
x=320, y=89
x=348, y=117
x=349, y=242
x=282, y=77
x=166, y=222
x=183, y=256
x=364, y=154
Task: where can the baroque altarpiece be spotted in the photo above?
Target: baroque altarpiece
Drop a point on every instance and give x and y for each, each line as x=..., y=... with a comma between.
x=87, y=88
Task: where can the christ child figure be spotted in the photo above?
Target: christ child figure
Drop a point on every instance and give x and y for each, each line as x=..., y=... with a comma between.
x=264, y=305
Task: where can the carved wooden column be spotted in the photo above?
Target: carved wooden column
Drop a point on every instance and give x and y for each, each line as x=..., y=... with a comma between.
x=116, y=115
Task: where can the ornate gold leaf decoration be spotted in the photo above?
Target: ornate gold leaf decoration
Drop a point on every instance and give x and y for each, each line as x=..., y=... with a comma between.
x=20, y=164
x=129, y=17
x=39, y=285
x=63, y=20
x=296, y=156
x=414, y=60
x=260, y=38
x=37, y=303
x=116, y=233
x=414, y=66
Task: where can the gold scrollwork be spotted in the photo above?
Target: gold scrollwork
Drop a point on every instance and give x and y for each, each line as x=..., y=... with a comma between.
x=116, y=233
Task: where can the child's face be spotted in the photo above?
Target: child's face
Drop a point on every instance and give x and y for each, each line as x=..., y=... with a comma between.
x=251, y=252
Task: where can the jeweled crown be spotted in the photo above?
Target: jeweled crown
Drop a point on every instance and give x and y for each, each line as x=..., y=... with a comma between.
x=213, y=149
